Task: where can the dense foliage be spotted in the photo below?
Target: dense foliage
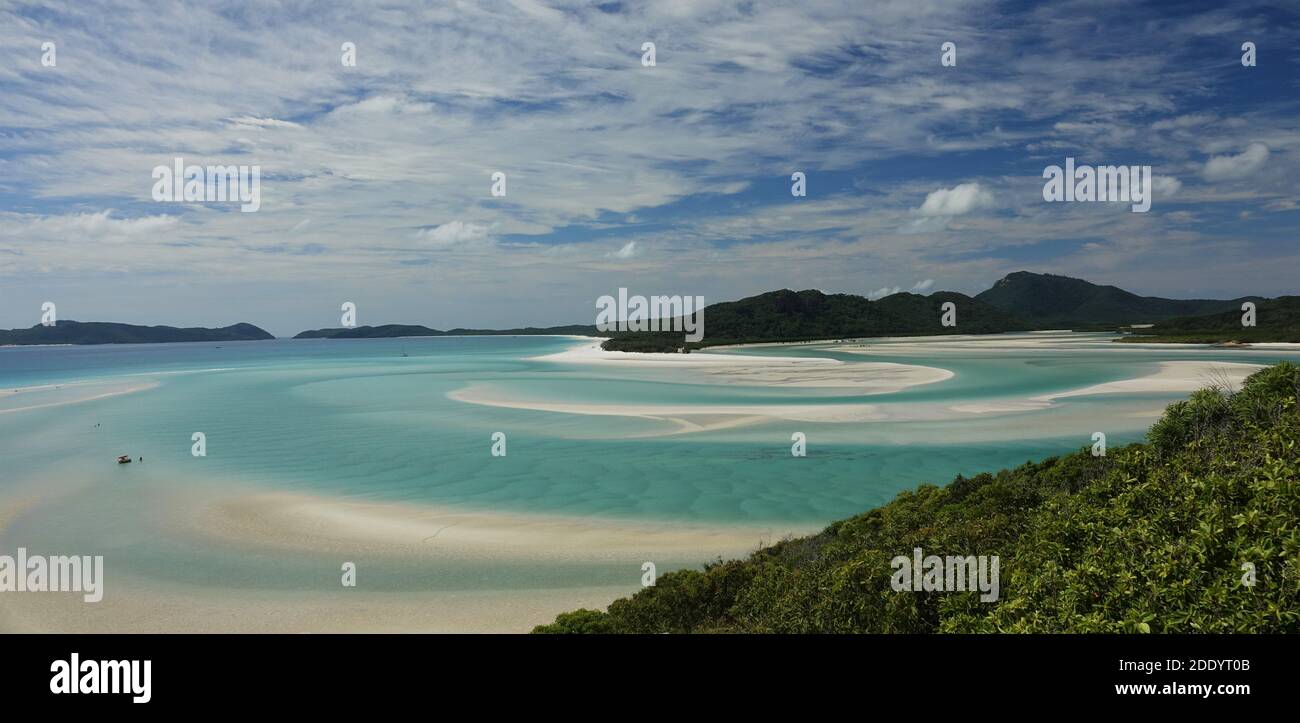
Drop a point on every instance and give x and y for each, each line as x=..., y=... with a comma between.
x=649, y=341
x=1151, y=537
x=102, y=332
x=787, y=315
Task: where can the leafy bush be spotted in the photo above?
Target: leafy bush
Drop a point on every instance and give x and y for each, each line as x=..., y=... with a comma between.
x=578, y=621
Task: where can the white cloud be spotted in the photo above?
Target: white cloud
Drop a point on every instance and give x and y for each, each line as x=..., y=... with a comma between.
x=1166, y=186
x=627, y=252
x=919, y=287
x=956, y=201
x=1226, y=168
x=453, y=233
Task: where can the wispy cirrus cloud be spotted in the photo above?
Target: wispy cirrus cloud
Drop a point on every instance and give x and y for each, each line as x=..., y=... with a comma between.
x=915, y=170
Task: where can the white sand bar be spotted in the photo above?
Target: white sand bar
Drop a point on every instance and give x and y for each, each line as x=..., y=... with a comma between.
x=773, y=371
x=1174, y=376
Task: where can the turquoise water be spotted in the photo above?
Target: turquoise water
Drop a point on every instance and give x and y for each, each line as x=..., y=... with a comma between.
x=355, y=418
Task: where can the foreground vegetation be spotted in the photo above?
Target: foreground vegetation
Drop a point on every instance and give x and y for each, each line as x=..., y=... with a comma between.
x=1152, y=537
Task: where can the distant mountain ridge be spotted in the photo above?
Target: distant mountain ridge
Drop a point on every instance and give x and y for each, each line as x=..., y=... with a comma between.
x=390, y=331
x=1019, y=301
x=104, y=332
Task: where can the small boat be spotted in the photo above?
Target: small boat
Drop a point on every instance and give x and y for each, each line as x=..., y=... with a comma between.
x=124, y=459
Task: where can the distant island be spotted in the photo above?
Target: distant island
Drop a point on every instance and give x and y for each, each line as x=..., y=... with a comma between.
x=1020, y=301
x=103, y=332
x=389, y=331
x=785, y=315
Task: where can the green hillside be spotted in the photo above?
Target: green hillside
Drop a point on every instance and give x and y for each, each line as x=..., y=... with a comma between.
x=1049, y=300
x=1151, y=537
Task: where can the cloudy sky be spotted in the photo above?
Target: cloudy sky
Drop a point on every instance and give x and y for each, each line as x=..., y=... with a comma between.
x=376, y=179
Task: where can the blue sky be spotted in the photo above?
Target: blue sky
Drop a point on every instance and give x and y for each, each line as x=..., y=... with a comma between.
x=667, y=179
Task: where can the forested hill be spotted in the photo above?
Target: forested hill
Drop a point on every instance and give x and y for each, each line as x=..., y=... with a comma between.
x=1049, y=300
x=787, y=315
x=1151, y=537
x=396, y=330
x=1019, y=301
x=103, y=332
x=1275, y=320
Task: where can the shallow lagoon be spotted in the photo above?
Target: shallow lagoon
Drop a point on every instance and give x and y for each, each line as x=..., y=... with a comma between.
x=356, y=420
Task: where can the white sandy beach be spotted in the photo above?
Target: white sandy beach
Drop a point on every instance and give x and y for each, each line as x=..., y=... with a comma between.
x=1045, y=340
x=1172, y=377
x=867, y=377
x=774, y=371
x=154, y=609
x=1181, y=376
x=863, y=378
x=685, y=417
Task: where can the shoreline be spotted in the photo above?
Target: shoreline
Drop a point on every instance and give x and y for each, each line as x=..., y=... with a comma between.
x=115, y=389
x=682, y=415
x=1173, y=377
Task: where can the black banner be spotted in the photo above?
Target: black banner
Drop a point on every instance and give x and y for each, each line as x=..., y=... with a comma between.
x=205, y=673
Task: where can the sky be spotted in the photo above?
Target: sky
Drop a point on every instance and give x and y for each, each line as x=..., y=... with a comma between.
x=376, y=178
